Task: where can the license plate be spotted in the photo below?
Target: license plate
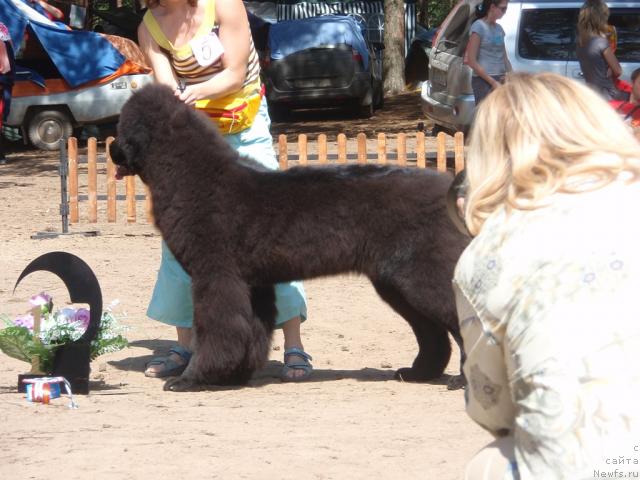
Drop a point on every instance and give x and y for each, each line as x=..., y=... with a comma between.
x=439, y=77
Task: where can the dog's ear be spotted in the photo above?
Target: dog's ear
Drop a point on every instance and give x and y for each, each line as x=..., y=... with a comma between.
x=117, y=154
x=129, y=150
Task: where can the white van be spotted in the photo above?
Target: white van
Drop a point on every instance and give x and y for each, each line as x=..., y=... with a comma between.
x=540, y=36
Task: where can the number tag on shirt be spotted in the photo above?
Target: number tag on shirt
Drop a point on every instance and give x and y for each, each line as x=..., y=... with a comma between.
x=207, y=49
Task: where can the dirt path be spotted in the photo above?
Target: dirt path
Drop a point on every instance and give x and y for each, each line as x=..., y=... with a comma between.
x=352, y=421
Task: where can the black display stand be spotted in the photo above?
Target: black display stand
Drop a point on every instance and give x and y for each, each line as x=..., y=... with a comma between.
x=72, y=361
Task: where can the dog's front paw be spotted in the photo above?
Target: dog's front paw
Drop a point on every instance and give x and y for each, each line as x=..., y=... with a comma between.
x=456, y=382
x=180, y=384
x=413, y=375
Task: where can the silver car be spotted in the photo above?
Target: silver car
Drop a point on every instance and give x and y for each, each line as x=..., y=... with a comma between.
x=540, y=36
x=45, y=119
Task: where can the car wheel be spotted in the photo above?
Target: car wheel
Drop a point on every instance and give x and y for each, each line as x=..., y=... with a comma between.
x=47, y=127
x=366, y=105
x=379, y=97
x=365, y=111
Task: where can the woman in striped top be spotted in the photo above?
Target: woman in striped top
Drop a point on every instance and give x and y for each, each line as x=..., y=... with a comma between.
x=204, y=51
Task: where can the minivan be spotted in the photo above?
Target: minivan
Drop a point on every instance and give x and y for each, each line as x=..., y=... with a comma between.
x=540, y=36
x=322, y=61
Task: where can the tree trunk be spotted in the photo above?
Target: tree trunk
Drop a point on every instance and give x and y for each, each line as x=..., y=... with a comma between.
x=393, y=46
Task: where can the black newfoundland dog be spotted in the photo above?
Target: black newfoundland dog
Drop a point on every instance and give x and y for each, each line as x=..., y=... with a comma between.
x=237, y=229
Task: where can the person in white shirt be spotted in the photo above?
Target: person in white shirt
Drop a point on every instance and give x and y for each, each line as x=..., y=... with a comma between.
x=547, y=290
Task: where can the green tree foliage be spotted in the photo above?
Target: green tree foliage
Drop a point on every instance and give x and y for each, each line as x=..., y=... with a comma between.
x=432, y=12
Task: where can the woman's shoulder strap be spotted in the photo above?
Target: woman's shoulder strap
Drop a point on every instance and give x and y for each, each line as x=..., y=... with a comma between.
x=156, y=32
x=210, y=15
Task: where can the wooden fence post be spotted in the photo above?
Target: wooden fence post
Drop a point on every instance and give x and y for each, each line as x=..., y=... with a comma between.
x=362, y=148
x=420, y=157
x=92, y=178
x=458, y=149
x=342, y=148
x=72, y=151
x=130, y=187
x=302, y=149
x=148, y=205
x=382, y=148
x=402, y=149
x=441, y=155
x=322, y=148
x=111, y=184
x=282, y=150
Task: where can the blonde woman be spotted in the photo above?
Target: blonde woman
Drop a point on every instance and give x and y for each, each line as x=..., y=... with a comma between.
x=598, y=61
x=547, y=290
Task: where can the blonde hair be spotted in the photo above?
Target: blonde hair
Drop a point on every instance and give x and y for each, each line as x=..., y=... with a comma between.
x=592, y=20
x=540, y=134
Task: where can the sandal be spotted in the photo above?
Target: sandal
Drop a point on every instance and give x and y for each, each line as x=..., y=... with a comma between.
x=172, y=368
x=297, y=365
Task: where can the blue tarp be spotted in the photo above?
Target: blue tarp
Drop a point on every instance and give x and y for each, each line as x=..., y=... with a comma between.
x=80, y=56
x=291, y=36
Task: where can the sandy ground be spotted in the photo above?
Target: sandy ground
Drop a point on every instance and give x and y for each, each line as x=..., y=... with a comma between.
x=351, y=421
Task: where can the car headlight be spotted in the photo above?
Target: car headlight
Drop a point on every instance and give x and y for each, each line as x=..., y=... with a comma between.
x=426, y=89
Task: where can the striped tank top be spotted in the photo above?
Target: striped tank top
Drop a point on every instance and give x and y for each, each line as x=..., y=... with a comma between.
x=183, y=60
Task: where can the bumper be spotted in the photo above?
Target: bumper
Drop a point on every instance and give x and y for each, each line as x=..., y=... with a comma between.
x=359, y=88
x=455, y=116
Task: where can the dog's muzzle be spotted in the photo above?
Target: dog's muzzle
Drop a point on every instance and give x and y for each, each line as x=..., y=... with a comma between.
x=120, y=160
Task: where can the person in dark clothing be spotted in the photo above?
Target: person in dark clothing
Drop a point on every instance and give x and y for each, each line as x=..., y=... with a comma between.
x=7, y=74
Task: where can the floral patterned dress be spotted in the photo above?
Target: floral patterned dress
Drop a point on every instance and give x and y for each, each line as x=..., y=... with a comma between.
x=549, y=308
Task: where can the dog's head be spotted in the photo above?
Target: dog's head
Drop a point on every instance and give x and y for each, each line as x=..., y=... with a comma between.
x=142, y=129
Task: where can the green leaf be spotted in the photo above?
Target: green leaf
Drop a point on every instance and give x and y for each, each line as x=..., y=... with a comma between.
x=19, y=343
x=14, y=341
x=100, y=347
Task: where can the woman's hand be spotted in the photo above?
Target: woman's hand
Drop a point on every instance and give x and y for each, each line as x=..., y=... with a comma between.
x=190, y=94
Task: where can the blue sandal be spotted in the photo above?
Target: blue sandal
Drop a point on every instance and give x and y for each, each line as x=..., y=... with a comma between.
x=305, y=365
x=172, y=368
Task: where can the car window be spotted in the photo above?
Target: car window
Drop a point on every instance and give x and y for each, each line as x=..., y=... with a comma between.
x=627, y=23
x=548, y=34
x=454, y=37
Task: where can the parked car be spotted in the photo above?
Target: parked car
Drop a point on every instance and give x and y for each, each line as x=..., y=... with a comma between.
x=322, y=61
x=46, y=118
x=67, y=78
x=540, y=36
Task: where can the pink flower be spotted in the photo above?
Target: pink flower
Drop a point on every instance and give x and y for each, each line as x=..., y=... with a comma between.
x=83, y=317
x=42, y=300
x=24, y=321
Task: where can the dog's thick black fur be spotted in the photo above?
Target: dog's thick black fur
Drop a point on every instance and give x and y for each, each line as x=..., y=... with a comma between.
x=237, y=229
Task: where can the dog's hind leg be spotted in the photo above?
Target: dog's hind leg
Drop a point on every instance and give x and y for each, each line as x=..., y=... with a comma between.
x=263, y=303
x=433, y=341
x=458, y=381
x=229, y=341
